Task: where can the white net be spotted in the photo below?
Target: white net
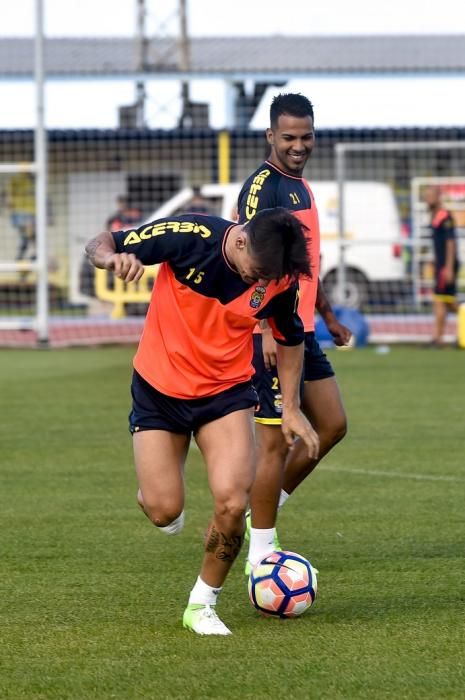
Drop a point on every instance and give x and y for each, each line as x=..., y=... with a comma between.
x=172, y=140
x=388, y=269
x=18, y=251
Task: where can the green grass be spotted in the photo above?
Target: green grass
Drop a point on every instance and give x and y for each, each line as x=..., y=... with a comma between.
x=91, y=596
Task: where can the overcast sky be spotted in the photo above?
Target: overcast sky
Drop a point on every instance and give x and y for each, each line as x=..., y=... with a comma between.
x=85, y=18
x=238, y=17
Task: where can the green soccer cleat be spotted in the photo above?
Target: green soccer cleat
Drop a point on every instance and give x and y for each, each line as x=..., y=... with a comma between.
x=202, y=619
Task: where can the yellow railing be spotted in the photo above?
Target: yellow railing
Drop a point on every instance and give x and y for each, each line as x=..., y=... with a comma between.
x=112, y=289
x=224, y=157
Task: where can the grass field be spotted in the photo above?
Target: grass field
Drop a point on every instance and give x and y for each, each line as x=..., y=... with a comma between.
x=91, y=596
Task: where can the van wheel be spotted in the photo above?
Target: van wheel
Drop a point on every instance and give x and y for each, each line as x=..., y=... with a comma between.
x=356, y=293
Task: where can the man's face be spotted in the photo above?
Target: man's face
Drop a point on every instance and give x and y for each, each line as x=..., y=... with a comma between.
x=291, y=143
x=249, y=268
x=432, y=196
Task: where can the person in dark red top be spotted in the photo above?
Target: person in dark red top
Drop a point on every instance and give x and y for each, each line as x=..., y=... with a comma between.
x=446, y=261
x=193, y=367
x=278, y=182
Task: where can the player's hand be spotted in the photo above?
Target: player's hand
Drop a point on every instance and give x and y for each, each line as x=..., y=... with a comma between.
x=269, y=348
x=341, y=334
x=125, y=266
x=448, y=276
x=295, y=424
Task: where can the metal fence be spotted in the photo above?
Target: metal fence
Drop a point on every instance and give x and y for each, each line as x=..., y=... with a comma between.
x=60, y=187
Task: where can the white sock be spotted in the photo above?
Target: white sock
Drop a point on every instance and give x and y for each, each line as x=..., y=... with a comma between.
x=174, y=527
x=261, y=543
x=283, y=496
x=203, y=594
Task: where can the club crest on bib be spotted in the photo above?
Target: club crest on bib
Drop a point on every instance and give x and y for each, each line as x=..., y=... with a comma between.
x=257, y=297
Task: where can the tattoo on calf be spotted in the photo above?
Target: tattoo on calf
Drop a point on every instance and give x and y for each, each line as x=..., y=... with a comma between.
x=223, y=547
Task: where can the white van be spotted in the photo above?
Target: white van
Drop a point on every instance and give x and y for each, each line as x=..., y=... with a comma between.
x=372, y=253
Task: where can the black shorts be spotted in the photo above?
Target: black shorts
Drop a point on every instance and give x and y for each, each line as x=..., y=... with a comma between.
x=316, y=364
x=152, y=410
x=443, y=291
x=266, y=382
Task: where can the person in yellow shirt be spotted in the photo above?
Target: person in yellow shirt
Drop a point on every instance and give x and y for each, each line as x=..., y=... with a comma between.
x=21, y=203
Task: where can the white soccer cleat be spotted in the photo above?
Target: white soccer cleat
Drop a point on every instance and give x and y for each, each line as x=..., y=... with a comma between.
x=204, y=620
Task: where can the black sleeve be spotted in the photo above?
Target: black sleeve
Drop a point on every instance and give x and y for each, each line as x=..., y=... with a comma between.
x=257, y=193
x=448, y=228
x=284, y=320
x=164, y=240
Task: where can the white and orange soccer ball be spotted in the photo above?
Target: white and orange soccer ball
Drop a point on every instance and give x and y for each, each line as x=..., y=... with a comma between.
x=283, y=584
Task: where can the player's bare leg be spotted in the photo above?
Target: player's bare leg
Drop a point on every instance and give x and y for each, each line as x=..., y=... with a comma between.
x=264, y=497
x=322, y=404
x=271, y=454
x=279, y=472
x=441, y=309
x=228, y=447
x=440, y=315
x=159, y=457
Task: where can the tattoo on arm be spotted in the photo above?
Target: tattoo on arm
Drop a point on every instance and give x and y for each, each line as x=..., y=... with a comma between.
x=223, y=547
x=92, y=247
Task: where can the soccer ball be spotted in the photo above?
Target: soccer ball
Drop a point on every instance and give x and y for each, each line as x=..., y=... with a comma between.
x=283, y=584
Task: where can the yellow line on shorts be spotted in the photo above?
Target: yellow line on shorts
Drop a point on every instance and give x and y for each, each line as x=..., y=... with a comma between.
x=269, y=421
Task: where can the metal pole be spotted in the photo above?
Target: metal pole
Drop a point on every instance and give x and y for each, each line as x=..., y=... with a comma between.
x=141, y=64
x=40, y=157
x=340, y=172
x=184, y=60
x=414, y=239
x=230, y=97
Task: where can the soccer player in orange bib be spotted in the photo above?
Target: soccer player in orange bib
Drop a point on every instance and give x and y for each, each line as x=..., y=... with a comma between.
x=278, y=182
x=193, y=368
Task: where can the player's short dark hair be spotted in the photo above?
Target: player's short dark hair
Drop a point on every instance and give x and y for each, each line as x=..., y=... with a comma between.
x=277, y=242
x=293, y=104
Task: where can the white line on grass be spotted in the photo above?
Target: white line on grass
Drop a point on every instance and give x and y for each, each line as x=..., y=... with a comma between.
x=373, y=472
x=394, y=475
